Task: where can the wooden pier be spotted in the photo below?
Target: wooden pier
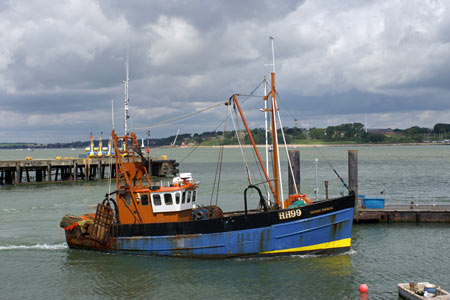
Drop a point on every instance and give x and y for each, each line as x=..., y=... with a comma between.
x=72, y=169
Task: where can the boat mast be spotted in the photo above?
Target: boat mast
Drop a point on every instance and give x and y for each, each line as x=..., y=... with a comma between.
x=275, y=159
x=126, y=100
x=266, y=125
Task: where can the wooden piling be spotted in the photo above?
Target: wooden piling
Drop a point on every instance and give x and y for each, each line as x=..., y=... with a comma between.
x=87, y=171
x=39, y=175
x=75, y=170
x=99, y=170
x=102, y=170
x=18, y=174
x=9, y=177
x=353, y=176
x=294, y=181
x=49, y=172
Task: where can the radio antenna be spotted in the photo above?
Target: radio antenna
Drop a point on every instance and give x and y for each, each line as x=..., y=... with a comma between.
x=126, y=100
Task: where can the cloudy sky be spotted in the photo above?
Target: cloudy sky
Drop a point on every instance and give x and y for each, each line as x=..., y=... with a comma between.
x=62, y=63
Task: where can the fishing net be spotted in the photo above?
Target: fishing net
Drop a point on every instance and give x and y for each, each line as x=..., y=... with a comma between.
x=70, y=222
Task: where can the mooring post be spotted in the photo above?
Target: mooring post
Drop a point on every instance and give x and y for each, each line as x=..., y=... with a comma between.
x=326, y=189
x=353, y=176
x=294, y=181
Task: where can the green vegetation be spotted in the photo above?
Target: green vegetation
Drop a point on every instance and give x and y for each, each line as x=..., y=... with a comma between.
x=350, y=133
x=18, y=145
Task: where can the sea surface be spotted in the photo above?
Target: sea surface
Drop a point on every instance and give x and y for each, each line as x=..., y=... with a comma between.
x=35, y=262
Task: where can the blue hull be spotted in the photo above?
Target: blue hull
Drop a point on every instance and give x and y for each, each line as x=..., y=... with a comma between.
x=325, y=233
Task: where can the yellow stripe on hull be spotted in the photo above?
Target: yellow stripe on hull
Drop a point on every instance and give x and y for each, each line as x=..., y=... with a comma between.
x=328, y=245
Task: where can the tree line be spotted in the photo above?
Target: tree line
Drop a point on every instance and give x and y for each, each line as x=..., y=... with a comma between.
x=344, y=133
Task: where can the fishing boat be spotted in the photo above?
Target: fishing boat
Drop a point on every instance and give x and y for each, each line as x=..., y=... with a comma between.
x=145, y=217
x=421, y=291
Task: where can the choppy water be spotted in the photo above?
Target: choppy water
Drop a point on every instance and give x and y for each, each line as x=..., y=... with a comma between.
x=36, y=264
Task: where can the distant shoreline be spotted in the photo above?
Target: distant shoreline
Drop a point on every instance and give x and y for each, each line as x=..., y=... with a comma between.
x=322, y=145
x=262, y=146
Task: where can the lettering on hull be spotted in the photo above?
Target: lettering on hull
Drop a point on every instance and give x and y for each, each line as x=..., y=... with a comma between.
x=290, y=214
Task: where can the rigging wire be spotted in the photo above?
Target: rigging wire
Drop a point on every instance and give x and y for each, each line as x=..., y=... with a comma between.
x=261, y=176
x=220, y=123
x=250, y=95
x=241, y=148
x=220, y=170
x=309, y=139
x=238, y=129
x=287, y=153
x=219, y=165
x=180, y=118
x=189, y=115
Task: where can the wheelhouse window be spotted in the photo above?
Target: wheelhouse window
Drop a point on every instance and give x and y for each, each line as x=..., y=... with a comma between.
x=144, y=199
x=188, y=196
x=168, y=199
x=183, y=198
x=156, y=199
x=177, y=198
x=194, y=195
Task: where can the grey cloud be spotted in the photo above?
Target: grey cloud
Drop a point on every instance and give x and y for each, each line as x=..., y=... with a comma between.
x=205, y=15
x=335, y=61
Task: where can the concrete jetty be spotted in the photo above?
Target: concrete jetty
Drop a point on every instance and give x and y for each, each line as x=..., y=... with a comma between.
x=72, y=169
x=413, y=213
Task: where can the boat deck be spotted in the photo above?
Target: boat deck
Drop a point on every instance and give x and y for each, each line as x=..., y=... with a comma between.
x=415, y=291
